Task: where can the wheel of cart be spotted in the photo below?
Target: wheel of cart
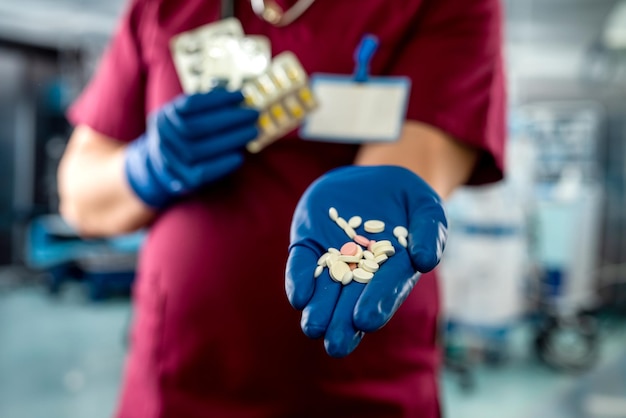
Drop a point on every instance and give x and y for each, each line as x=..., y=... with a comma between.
x=568, y=344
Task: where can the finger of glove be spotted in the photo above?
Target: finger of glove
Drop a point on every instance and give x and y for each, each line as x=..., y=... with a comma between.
x=161, y=171
x=200, y=125
x=427, y=237
x=317, y=314
x=194, y=175
x=210, y=147
x=141, y=175
x=299, y=275
x=342, y=337
x=205, y=102
x=384, y=294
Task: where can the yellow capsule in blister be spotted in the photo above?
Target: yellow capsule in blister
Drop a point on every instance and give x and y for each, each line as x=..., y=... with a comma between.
x=265, y=123
x=307, y=97
x=252, y=96
x=266, y=86
x=278, y=112
x=283, y=97
x=294, y=107
x=281, y=80
x=293, y=73
x=250, y=100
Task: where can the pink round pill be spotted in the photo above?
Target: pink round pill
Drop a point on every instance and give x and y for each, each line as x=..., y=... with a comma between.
x=361, y=240
x=349, y=248
x=353, y=266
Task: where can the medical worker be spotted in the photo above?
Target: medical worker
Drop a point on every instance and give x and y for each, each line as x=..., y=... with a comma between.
x=227, y=322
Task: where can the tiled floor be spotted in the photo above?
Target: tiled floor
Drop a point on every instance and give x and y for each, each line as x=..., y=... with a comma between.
x=62, y=358
x=524, y=388
x=59, y=358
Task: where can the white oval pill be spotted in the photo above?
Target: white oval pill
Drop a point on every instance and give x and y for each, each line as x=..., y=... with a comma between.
x=400, y=231
x=381, y=259
x=381, y=242
x=347, y=278
x=368, y=254
x=355, y=221
x=318, y=271
x=332, y=212
x=349, y=231
x=349, y=258
x=361, y=276
x=341, y=222
x=378, y=247
x=331, y=259
x=388, y=250
x=373, y=226
x=402, y=241
x=334, y=251
x=338, y=270
x=322, y=260
x=369, y=265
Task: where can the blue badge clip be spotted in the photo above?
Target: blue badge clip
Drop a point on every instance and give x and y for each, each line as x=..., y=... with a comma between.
x=362, y=56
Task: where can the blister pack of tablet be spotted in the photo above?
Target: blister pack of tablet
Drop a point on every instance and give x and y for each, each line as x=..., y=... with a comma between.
x=221, y=55
x=218, y=55
x=283, y=95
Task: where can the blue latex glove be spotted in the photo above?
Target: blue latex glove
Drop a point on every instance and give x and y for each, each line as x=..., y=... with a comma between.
x=189, y=142
x=394, y=195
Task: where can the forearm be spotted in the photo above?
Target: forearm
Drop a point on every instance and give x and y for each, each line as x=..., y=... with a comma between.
x=94, y=194
x=441, y=161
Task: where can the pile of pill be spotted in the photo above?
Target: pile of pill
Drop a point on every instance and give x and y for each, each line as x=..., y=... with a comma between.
x=360, y=258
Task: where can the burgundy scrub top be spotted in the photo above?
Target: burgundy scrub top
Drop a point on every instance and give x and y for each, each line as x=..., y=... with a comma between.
x=213, y=333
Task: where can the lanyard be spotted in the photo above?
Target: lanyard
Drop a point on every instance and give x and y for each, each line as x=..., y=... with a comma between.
x=227, y=9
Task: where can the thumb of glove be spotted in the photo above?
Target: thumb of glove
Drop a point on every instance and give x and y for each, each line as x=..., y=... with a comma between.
x=428, y=232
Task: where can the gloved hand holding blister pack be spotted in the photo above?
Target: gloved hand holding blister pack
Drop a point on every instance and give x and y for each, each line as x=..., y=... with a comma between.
x=340, y=313
x=189, y=142
x=220, y=54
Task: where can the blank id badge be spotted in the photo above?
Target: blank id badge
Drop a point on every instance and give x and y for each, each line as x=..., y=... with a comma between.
x=352, y=111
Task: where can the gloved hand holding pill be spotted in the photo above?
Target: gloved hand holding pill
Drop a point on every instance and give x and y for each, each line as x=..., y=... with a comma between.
x=189, y=142
x=360, y=237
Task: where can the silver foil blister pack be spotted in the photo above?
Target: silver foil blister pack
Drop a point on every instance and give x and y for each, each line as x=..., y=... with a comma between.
x=220, y=54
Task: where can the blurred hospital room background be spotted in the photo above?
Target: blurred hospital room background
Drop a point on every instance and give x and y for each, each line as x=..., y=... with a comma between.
x=534, y=277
